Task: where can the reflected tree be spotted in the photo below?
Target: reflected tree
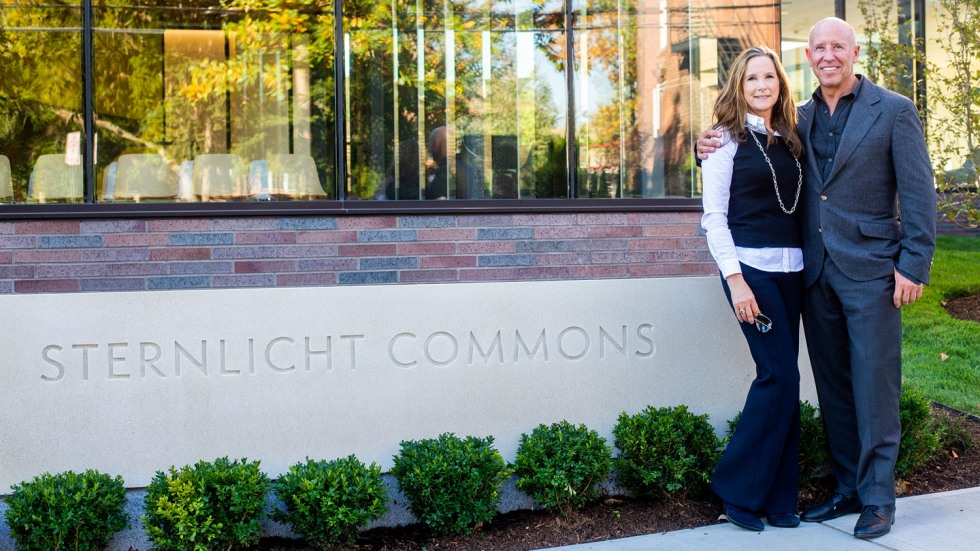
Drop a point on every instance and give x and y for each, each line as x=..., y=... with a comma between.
x=954, y=117
x=40, y=84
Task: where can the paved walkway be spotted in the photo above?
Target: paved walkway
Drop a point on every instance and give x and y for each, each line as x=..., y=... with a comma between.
x=948, y=521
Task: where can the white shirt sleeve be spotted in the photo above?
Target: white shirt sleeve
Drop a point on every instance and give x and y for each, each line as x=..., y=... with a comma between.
x=716, y=181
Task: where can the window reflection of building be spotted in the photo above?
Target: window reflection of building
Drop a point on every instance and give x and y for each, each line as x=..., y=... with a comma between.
x=797, y=16
x=702, y=37
x=479, y=70
x=173, y=83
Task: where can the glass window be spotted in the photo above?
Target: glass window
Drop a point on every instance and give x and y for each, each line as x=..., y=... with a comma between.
x=462, y=99
x=646, y=75
x=214, y=102
x=886, y=31
x=41, y=123
x=616, y=126
x=236, y=100
x=798, y=17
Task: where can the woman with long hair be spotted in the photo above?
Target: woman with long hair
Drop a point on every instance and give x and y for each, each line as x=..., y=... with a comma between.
x=751, y=191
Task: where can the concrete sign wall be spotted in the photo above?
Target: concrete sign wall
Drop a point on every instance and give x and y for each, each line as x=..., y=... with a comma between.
x=131, y=383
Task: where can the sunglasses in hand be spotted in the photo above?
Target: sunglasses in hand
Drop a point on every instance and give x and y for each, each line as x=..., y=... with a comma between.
x=763, y=323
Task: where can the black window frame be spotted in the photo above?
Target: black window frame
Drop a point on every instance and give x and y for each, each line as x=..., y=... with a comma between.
x=340, y=206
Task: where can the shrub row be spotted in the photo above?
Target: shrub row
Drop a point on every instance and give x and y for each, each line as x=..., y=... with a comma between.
x=452, y=484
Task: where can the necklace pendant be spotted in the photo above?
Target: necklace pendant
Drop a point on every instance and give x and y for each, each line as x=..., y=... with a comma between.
x=775, y=183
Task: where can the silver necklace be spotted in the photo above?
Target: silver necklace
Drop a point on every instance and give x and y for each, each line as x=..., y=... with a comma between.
x=799, y=181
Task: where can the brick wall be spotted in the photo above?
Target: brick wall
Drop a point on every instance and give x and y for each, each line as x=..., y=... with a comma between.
x=191, y=253
x=946, y=227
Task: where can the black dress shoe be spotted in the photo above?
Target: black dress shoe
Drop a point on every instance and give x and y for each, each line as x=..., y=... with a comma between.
x=835, y=507
x=783, y=520
x=875, y=520
x=743, y=518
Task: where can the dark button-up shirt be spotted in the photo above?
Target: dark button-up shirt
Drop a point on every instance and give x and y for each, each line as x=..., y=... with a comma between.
x=827, y=129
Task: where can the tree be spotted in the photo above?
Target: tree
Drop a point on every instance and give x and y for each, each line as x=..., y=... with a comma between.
x=889, y=61
x=954, y=111
x=40, y=86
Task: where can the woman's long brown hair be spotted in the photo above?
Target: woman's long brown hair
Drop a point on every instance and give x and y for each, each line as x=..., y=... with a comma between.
x=731, y=106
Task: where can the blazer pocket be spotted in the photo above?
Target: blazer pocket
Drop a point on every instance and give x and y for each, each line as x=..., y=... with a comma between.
x=875, y=143
x=881, y=230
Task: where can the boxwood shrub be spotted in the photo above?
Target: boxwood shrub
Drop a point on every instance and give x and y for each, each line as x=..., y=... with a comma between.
x=665, y=451
x=328, y=501
x=562, y=466
x=210, y=505
x=68, y=511
x=452, y=484
x=920, y=441
x=814, y=454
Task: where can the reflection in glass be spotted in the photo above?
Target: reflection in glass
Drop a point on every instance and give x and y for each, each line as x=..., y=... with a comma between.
x=797, y=17
x=455, y=100
x=620, y=56
x=41, y=145
x=232, y=100
x=646, y=75
x=206, y=102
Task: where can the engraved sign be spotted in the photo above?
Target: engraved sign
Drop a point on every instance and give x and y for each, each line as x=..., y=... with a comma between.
x=132, y=383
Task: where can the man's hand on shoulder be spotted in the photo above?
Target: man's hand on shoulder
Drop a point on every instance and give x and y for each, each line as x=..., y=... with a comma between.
x=708, y=142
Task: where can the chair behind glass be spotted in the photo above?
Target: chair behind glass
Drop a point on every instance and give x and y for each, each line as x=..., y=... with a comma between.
x=54, y=180
x=141, y=176
x=219, y=177
x=6, y=185
x=294, y=176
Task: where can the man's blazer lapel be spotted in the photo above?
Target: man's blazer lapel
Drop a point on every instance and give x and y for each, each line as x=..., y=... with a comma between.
x=804, y=124
x=864, y=113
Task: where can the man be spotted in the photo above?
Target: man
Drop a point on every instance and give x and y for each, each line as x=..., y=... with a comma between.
x=438, y=183
x=864, y=149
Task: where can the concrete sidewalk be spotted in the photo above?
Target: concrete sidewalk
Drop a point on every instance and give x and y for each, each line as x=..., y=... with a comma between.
x=948, y=521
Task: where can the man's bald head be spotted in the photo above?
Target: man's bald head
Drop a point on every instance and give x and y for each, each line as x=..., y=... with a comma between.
x=838, y=25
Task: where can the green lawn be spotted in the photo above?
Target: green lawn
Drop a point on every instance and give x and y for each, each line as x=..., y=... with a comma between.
x=930, y=333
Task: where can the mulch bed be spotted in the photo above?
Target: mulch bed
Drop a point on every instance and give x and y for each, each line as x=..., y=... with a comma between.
x=623, y=517
x=964, y=308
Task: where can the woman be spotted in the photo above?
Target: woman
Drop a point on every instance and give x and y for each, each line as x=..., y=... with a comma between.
x=751, y=192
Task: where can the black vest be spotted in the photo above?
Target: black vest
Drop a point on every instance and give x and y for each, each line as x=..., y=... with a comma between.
x=754, y=216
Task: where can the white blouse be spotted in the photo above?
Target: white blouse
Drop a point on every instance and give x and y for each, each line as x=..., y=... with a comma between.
x=716, y=181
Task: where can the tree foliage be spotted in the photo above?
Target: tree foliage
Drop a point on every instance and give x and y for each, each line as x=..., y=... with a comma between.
x=954, y=111
x=188, y=79
x=953, y=77
x=889, y=62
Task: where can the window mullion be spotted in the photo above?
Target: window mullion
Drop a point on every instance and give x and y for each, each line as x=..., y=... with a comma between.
x=340, y=102
x=572, y=171
x=88, y=99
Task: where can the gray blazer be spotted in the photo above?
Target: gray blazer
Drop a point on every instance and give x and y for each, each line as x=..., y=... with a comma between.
x=854, y=214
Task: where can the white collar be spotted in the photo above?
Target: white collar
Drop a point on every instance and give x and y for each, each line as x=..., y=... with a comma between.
x=757, y=124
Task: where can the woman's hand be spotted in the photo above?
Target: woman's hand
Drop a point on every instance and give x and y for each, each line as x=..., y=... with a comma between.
x=742, y=299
